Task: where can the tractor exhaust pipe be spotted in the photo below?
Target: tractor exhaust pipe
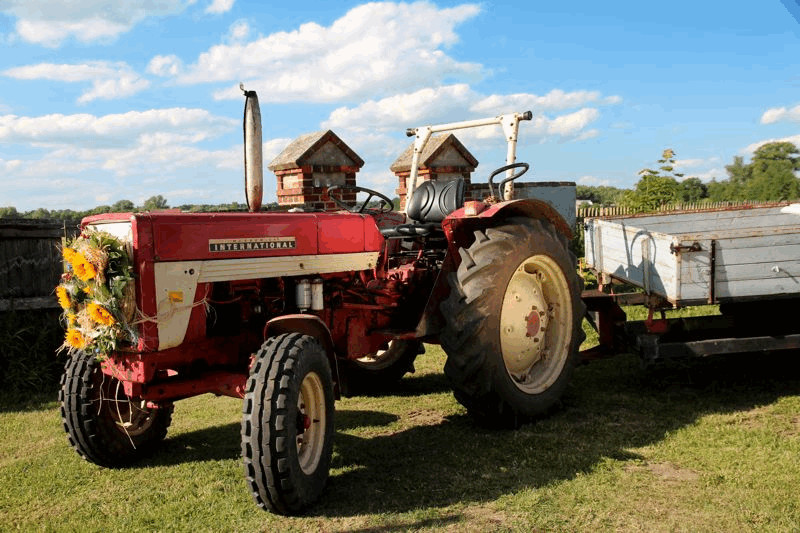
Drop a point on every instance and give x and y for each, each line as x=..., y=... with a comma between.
x=253, y=166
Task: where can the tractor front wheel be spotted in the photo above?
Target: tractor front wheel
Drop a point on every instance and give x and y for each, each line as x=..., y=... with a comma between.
x=513, y=322
x=103, y=424
x=287, y=423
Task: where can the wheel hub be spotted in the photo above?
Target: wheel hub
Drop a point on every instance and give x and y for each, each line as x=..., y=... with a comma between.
x=535, y=323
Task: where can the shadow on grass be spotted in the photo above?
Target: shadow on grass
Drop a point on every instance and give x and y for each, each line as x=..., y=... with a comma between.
x=18, y=402
x=610, y=407
x=410, y=385
x=216, y=443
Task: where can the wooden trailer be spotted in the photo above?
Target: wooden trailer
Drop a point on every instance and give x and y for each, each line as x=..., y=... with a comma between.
x=745, y=259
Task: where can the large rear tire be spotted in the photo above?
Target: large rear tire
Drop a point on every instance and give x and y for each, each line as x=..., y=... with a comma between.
x=287, y=423
x=513, y=322
x=105, y=426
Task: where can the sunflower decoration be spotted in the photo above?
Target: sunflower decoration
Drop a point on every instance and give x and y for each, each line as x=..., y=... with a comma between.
x=96, y=294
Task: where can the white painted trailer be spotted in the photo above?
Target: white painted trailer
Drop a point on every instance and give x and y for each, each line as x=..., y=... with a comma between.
x=715, y=256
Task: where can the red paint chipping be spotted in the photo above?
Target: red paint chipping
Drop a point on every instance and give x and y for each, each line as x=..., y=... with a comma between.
x=533, y=323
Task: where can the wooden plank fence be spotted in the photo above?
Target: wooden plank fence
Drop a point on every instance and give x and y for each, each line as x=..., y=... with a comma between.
x=30, y=262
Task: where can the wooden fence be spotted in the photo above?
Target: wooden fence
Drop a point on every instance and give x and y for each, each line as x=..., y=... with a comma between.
x=599, y=211
x=30, y=262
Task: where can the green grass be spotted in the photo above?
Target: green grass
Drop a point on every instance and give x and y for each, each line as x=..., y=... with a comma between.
x=707, y=446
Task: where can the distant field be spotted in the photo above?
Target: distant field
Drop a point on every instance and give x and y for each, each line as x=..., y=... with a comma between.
x=708, y=446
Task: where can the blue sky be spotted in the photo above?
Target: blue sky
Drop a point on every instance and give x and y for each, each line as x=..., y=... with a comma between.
x=102, y=101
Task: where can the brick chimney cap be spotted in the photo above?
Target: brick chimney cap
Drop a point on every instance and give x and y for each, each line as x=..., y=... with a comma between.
x=302, y=149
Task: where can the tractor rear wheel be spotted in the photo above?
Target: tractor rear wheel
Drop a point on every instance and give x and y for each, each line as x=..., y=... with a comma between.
x=383, y=368
x=513, y=322
x=103, y=424
x=287, y=423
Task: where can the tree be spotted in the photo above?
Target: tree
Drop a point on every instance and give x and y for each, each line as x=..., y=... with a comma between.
x=719, y=191
x=599, y=194
x=739, y=176
x=770, y=176
x=155, y=202
x=773, y=173
x=9, y=212
x=693, y=190
x=40, y=213
x=654, y=189
x=123, y=206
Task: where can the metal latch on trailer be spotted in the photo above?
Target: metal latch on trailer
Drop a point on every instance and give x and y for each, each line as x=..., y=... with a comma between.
x=678, y=248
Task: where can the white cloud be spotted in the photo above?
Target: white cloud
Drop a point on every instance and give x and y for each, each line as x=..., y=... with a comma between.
x=217, y=7
x=593, y=180
x=169, y=65
x=109, y=80
x=49, y=23
x=400, y=111
x=689, y=163
x=453, y=103
x=697, y=162
x=371, y=48
x=568, y=125
x=776, y=114
x=749, y=149
x=132, y=155
x=239, y=31
x=708, y=175
x=555, y=100
x=271, y=148
x=112, y=130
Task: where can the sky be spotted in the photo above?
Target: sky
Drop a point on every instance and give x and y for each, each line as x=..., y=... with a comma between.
x=108, y=100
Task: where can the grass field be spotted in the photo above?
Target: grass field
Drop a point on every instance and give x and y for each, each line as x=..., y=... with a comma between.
x=707, y=446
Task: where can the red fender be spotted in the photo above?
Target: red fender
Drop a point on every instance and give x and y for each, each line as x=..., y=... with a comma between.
x=459, y=229
x=458, y=222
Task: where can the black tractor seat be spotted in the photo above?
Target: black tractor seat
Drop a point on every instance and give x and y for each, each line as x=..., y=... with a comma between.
x=430, y=204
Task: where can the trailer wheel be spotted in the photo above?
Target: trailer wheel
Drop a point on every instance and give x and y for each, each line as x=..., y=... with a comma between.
x=513, y=322
x=287, y=423
x=103, y=424
x=384, y=367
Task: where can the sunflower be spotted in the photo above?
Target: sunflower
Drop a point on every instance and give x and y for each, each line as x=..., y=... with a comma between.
x=100, y=314
x=72, y=319
x=75, y=339
x=68, y=253
x=63, y=297
x=83, y=268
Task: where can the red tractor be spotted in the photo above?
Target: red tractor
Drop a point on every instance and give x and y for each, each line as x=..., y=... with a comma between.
x=288, y=311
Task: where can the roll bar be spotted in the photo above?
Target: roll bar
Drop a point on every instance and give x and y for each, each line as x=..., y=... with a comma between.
x=509, y=122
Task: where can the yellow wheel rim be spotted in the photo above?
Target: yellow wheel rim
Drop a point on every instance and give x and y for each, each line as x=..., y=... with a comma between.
x=310, y=422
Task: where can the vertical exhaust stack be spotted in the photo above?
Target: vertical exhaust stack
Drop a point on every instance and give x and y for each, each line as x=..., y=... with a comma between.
x=253, y=166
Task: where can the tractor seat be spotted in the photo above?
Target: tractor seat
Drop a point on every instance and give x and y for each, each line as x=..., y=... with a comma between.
x=431, y=202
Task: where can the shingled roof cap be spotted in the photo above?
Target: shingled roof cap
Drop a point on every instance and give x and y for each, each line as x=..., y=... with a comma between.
x=300, y=151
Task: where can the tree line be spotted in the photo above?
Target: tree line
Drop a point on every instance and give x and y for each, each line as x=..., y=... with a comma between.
x=154, y=203
x=771, y=175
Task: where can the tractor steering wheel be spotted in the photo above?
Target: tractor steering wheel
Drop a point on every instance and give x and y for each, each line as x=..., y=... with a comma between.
x=385, y=207
x=523, y=166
